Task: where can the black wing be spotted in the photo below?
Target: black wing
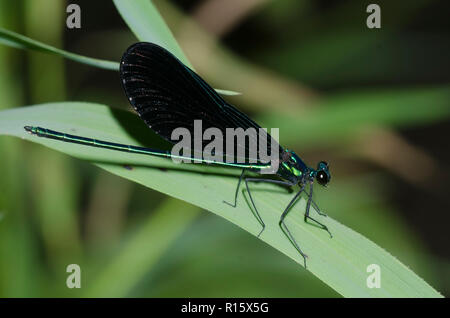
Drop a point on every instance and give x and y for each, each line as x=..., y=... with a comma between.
x=167, y=94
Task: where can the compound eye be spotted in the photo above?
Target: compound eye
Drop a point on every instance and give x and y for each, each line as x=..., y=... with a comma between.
x=322, y=178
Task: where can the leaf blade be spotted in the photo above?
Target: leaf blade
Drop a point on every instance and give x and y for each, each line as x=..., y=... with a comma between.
x=19, y=41
x=147, y=24
x=340, y=262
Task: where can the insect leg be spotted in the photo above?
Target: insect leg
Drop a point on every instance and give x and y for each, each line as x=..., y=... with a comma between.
x=237, y=190
x=308, y=206
x=314, y=204
x=256, y=213
x=285, y=228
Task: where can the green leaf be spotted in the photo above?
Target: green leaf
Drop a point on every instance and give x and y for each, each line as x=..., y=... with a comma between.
x=341, y=261
x=143, y=19
x=22, y=42
x=155, y=230
x=147, y=24
x=227, y=92
x=19, y=41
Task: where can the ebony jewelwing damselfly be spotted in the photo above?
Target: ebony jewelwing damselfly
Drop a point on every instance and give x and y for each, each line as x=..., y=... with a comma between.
x=167, y=95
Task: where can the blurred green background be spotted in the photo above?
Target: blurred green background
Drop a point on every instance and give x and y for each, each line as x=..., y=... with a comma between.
x=375, y=104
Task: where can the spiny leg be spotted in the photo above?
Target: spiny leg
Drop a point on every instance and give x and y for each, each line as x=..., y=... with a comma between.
x=237, y=190
x=308, y=206
x=286, y=230
x=314, y=204
x=255, y=213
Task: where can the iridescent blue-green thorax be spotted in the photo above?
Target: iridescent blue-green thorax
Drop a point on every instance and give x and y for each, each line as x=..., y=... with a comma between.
x=293, y=169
